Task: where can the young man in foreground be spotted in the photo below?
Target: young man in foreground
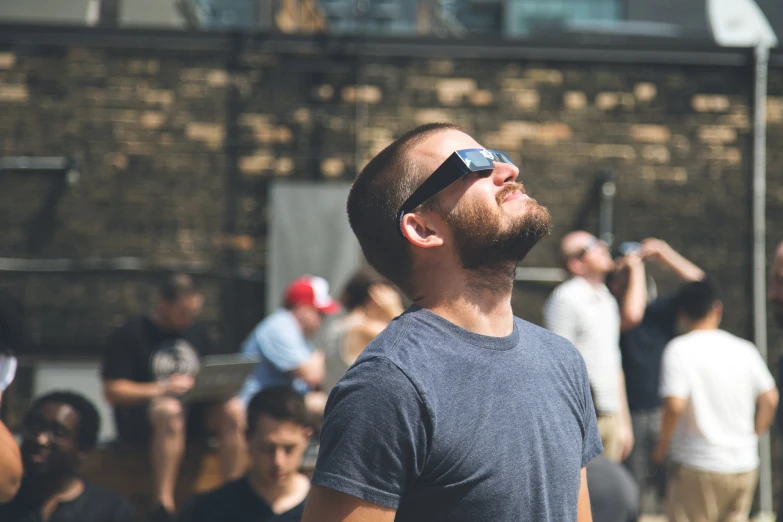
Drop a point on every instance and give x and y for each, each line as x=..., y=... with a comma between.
x=458, y=411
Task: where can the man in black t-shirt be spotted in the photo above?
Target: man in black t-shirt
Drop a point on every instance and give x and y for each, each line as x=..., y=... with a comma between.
x=148, y=365
x=273, y=490
x=57, y=433
x=646, y=327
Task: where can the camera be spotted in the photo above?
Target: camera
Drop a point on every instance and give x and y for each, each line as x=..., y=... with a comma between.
x=628, y=247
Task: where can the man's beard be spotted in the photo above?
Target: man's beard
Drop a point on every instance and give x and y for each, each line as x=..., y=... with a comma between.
x=488, y=239
x=49, y=476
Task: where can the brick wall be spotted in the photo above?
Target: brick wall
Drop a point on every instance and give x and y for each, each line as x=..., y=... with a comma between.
x=176, y=148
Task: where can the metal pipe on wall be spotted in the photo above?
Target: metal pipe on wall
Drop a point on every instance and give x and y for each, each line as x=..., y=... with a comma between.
x=759, y=252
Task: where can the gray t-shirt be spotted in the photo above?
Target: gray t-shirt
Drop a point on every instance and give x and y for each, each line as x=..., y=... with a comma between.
x=444, y=424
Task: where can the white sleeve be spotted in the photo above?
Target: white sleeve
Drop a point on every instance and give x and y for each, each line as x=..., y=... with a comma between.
x=762, y=378
x=674, y=381
x=560, y=316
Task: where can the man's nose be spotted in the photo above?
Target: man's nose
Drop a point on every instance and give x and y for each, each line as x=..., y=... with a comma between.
x=504, y=173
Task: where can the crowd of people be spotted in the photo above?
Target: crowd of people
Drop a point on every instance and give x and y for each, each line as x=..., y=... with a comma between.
x=626, y=402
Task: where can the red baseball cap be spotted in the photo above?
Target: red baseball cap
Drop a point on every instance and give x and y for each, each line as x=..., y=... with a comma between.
x=313, y=291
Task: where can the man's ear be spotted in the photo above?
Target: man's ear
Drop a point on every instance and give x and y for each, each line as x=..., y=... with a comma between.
x=574, y=265
x=423, y=229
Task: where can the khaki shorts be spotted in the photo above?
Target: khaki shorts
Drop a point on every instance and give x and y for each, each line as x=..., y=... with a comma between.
x=702, y=496
x=609, y=429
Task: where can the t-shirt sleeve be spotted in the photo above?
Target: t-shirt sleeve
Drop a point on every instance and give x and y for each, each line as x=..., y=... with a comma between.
x=762, y=378
x=591, y=439
x=376, y=433
x=674, y=381
x=285, y=349
x=560, y=316
x=117, y=360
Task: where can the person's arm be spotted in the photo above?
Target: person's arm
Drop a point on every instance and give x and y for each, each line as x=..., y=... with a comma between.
x=374, y=443
x=583, y=512
x=10, y=465
x=665, y=256
x=634, y=301
x=673, y=408
x=328, y=505
x=625, y=418
x=313, y=370
x=766, y=404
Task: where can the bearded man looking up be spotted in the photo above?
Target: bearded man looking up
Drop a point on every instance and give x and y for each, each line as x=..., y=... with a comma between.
x=458, y=411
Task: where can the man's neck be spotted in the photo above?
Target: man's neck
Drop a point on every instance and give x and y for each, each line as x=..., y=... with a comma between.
x=475, y=301
x=705, y=324
x=595, y=280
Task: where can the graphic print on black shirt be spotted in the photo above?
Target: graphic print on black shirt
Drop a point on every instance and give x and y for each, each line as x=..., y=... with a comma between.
x=95, y=504
x=140, y=351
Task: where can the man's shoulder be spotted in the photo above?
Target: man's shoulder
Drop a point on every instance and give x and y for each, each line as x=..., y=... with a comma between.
x=279, y=321
x=571, y=290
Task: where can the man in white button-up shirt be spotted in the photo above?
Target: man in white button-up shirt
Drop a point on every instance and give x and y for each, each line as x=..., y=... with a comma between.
x=584, y=311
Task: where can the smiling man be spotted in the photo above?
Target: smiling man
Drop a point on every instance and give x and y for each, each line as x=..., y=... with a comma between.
x=458, y=411
x=57, y=433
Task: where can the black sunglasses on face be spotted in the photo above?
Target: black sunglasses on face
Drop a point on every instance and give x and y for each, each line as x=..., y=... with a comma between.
x=457, y=165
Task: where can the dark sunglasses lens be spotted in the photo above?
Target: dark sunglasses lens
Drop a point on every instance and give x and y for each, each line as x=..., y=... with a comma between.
x=476, y=161
x=503, y=158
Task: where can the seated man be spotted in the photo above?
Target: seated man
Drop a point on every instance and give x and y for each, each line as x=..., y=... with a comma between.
x=58, y=431
x=281, y=344
x=149, y=364
x=273, y=489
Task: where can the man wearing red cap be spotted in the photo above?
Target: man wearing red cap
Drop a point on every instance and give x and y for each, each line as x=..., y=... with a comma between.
x=281, y=343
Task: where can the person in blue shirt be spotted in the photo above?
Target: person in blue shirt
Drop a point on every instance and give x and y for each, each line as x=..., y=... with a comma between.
x=281, y=343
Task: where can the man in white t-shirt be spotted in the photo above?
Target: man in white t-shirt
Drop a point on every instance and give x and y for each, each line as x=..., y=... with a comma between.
x=584, y=311
x=719, y=397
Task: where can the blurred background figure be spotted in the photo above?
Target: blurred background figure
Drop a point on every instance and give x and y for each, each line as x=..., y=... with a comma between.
x=148, y=365
x=273, y=489
x=10, y=339
x=646, y=325
x=718, y=399
x=281, y=344
x=58, y=432
x=10, y=465
x=370, y=303
x=584, y=311
x=614, y=495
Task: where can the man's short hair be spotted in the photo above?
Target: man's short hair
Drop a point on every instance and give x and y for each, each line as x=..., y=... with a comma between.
x=376, y=196
x=89, y=419
x=176, y=285
x=697, y=298
x=279, y=402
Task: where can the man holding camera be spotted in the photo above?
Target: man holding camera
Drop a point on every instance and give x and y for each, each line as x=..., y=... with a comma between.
x=646, y=326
